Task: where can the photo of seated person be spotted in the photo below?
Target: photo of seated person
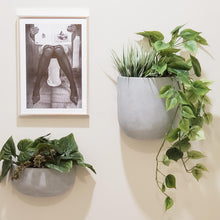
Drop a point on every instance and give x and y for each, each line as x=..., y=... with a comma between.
x=53, y=65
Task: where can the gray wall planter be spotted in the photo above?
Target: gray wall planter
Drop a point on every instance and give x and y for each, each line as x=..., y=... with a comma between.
x=141, y=113
x=44, y=182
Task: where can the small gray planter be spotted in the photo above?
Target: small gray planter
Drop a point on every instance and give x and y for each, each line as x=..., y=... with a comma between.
x=44, y=182
x=141, y=113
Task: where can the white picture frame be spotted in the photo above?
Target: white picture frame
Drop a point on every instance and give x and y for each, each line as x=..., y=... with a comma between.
x=53, y=61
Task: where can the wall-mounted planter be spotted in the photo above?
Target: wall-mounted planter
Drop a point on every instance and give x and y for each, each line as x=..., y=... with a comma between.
x=141, y=113
x=44, y=182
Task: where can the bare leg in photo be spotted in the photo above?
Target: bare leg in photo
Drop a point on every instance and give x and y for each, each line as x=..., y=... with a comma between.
x=59, y=53
x=65, y=65
x=42, y=70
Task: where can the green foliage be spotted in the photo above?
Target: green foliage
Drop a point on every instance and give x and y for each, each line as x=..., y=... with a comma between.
x=135, y=62
x=153, y=36
x=197, y=173
x=173, y=135
x=174, y=153
x=170, y=181
x=166, y=161
x=194, y=154
x=164, y=58
x=59, y=155
x=201, y=167
x=168, y=203
x=189, y=99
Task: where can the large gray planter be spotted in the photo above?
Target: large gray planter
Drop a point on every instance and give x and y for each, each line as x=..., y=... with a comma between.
x=44, y=182
x=141, y=113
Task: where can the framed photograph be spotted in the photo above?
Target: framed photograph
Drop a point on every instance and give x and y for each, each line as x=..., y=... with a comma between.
x=53, y=68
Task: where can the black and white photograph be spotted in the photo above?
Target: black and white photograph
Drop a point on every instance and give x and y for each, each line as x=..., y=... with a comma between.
x=53, y=65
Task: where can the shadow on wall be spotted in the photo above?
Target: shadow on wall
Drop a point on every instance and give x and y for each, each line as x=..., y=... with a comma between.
x=76, y=202
x=53, y=121
x=193, y=200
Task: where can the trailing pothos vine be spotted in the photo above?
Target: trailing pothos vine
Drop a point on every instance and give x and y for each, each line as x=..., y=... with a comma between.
x=188, y=99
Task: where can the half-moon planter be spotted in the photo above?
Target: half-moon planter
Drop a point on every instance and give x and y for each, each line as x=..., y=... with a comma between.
x=141, y=113
x=44, y=182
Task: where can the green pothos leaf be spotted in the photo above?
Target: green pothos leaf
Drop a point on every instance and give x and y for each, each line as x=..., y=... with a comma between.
x=166, y=91
x=176, y=29
x=197, y=173
x=174, y=153
x=195, y=154
x=187, y=112
x=201, y=167
x=165, y=160
x=170, y=181
x=189, y=34
x=196, y=133
x=168, y=203
x=200, y=88
x=160, y=68
x=196, y=65
x=184, y=125
x=173, y=135
x=208, y=117
x=201, y=40
x=191, y=46
x=152, y=36
x=171, y=102
x=183, y=145
x=160, y=45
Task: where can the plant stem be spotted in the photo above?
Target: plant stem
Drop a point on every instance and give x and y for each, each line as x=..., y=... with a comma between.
x=184, y=164
x=158, y=153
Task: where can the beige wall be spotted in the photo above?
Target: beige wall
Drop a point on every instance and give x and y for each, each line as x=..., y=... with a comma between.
x=124, y=187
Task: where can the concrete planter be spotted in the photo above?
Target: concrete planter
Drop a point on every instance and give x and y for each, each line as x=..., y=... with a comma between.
x=44, y=182
x=141, y=113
